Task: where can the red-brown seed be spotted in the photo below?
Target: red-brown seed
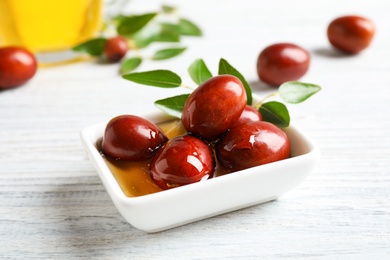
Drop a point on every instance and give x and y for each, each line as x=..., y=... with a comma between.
x=282, y=62
x=132, y=138
x=214, y=106
x=249, y=114
x=17, y=66
x=183, y=160
x=115, y=48
x=252, y=144
x=351, y=34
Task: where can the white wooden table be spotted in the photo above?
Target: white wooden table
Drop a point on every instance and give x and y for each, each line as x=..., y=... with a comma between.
x=53, y=205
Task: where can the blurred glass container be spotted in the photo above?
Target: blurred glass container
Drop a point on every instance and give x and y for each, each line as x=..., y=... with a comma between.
x=50, y=28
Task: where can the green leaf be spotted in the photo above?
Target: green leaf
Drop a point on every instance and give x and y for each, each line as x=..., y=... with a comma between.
x=172, y=105
x=226, y=68
x=132, y=24
x=144, y=37
x=156, y=78
x=142, y=41
x=154, y=32
x=297, y=92
x=94, y=47
x=170, y=27
x=188, y=28
x=130, y=64
x=168, y=9
x=118, y=18
x=276, y=113
x=199, y=72
x=168, y=33
x=167, y=53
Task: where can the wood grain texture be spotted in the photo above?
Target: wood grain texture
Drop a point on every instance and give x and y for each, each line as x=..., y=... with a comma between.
x=53, y=205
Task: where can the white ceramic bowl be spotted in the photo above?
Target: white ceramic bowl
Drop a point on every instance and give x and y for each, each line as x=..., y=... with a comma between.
x=182, y=205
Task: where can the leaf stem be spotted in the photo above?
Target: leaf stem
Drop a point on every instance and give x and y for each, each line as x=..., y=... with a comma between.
x=187, y=87
x=258, y=105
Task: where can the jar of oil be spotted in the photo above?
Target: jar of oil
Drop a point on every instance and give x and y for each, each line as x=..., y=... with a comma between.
x=49, y=28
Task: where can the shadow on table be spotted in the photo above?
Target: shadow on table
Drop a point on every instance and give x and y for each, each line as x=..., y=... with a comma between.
x=329, y=52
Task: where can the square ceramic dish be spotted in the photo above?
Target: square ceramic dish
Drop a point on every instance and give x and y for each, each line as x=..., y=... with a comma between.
x=170, y=208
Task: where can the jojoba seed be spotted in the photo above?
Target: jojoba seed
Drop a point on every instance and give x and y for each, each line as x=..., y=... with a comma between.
x=17, y=66
x=183, y=160
x=249, y=114
x=214, y=106
x=351, y=34
x=115, y=48
x=132, y=138
x=251, y=144
x=282, y=62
